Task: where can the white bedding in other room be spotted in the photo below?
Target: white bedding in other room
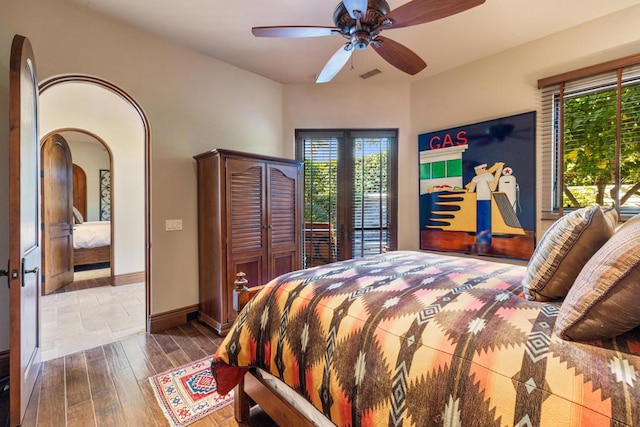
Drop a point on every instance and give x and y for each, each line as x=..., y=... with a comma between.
x=91, y=234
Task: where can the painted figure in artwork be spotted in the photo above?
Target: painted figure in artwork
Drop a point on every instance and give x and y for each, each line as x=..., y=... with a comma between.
x=484, y=184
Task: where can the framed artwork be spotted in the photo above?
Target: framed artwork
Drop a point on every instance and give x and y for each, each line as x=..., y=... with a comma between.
x=477, y=188
x=105, y=195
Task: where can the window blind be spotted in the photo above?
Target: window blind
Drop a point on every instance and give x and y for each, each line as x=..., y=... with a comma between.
x=370, y=194
x=319, y=151
x=565, y=135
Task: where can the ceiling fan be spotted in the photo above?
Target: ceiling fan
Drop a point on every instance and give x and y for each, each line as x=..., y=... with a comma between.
x=362, y=21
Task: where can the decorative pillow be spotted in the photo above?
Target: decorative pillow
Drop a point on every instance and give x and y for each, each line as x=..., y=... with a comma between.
x=77, y=216
x=603, y=301
x=635, y=218
x=564, y=249
x=611, y=216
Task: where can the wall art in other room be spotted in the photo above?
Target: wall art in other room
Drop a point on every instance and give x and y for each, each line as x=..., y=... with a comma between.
x=105, y=195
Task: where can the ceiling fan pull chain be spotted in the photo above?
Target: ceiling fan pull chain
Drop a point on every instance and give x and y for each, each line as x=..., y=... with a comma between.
x=352, y=67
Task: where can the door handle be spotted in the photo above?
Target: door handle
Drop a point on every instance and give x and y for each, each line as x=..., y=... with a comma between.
x=34, y=270
x=11, y=275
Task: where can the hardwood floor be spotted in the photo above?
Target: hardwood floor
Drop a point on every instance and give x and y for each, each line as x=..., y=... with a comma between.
x=84, y=284
x=108, y=385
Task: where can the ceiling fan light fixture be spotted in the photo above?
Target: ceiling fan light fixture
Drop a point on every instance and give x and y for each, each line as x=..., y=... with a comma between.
x=360, y=39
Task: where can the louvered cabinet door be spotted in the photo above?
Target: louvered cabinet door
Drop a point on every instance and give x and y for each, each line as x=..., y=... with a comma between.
x=283, y=218
x=246, y=223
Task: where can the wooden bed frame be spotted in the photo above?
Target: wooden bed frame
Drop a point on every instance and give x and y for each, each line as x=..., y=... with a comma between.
x=252, y=388
x=86, y=256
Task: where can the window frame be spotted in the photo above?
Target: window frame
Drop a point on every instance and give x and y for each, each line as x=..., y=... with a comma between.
x=552, y=90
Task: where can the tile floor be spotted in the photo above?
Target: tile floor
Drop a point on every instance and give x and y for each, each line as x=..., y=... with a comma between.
x=87, y=318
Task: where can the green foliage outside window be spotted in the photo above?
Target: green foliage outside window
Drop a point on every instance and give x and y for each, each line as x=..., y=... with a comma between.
x=320, y=190
x=590, y=127
x=370, y=177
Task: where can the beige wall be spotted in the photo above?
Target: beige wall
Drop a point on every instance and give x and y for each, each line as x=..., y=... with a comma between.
x=362, y=105
x=497, y=86
x=194, y=103
x=506, y=83
x=90, y=155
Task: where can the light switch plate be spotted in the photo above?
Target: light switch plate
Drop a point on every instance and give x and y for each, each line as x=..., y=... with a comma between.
x=173, y=225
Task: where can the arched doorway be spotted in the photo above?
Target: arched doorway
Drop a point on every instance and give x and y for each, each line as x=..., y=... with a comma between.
x=89, y=105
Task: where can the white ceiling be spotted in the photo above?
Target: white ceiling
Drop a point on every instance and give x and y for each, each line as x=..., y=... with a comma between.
x=222, y=29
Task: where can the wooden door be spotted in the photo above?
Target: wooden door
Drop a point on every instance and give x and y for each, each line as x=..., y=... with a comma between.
x=24, y=227
x=80, y=190
x=283, y=219
x=57, y=214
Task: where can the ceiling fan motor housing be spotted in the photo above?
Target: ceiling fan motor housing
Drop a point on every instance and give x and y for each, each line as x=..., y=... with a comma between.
x=361, y=32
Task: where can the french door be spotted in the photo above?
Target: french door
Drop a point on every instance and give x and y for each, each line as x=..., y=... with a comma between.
x=350, y=187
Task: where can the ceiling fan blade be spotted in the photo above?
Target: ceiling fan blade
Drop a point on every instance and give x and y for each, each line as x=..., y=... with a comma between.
x=335, y=64
x=294, y=31
x=399, y=56
x=420, y=11
x=356, y=5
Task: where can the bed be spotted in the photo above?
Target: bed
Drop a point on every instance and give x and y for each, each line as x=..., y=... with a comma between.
x=418, y=339
x=91, y=243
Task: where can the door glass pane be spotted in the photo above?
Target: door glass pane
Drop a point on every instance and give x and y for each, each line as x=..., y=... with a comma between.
x=370, y=221
x=320, y=199
x=29, y=158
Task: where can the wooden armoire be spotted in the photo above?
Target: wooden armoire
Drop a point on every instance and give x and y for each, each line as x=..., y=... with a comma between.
x=249, y=220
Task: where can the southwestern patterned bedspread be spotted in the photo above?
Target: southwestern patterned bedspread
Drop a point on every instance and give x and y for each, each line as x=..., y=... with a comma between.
x=417, y=339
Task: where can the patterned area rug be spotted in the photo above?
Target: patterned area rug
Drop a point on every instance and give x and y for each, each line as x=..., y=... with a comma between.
x=188, y=393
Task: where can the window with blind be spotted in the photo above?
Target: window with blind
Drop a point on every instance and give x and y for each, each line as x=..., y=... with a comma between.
x=591, y=138
x=350, y=186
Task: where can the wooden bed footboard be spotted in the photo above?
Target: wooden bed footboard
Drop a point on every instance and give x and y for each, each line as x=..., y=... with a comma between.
x=86, y=256
x=252, y=388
